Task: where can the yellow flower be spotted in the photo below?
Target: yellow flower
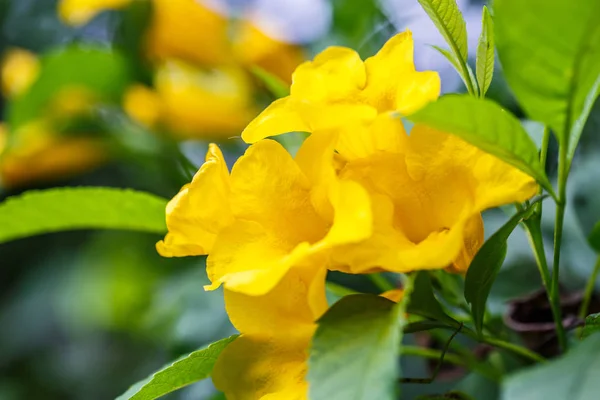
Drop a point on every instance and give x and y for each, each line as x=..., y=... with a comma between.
x=193, y=102
x=338, y=89
x=269, y=359
x=19, y=70
x=79, y=12
x=270, y=214
x=40, y=154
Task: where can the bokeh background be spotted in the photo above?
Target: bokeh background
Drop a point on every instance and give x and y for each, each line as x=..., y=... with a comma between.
x=129, y=95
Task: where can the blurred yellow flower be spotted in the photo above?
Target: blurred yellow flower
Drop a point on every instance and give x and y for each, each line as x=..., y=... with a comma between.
x=190, y=101
x=338, y=89
x=79, y=12
x=20, y=69
x=39, y=154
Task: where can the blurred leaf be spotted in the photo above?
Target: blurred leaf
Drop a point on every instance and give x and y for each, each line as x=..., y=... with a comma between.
x=62, y=209
x=185, y=371
x=485, y=266
x=453, y=395
x=101, y=72
x=423, y=302
x=486, y=125
x=594, y=237
x=592, y=325
x=274, y=84
x=354, y=352
x=485, y=53
x=356, y=22
x=573, y=376
x=550, y=54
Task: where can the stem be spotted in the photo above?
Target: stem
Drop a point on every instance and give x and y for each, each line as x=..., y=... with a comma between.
x=563, y=172
x=522, y=351
x=589, y=290
x=381, y=282
x=432, y=354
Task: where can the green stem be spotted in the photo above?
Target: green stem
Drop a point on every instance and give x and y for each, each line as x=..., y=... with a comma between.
x=563, y=172
x=516, y=349
x=432, y=354
x=381, y=282
x=589, y=290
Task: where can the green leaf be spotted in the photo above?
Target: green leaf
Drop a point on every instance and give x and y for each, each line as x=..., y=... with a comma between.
x=486, y=125
x=447, y=17
x=592, y=325
x=573, y=376
x=424, y=303
x=354, y=352
x=486, y=265
x=449, y=20
x=457, y=66
x=105, y=73
x=550, y=55
x=594, y=237
x=189, y=369
x=54, y=210
x=484, y=67
x=273, y=83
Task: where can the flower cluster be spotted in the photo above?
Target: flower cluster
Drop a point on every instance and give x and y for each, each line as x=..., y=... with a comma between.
x=361, y=195
x=200, y=83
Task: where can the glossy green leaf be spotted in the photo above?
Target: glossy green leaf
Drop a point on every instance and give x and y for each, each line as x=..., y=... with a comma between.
x=449, y=20
x=594, y=237
x=486, y=125
x=189, y=369
x=573, y=376
x=54, y=210
x=424, y=303
x=486, y=265
x=484, y=67
x=592, y=325
x=102, y=72
x=274, y=84
x=550, y=55
x=354, y=352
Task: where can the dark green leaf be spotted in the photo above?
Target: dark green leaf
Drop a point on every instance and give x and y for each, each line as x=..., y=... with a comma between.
x=486, y=125
x=592, y=325
x=573, y=376
x=594, y=237
x=423, y=302
x=274, y=84
x=485, y=266
x=104, y=73
x=550, y=54
x=354, y=352
x=187, y=370
x=54, y=210
x=485, y=53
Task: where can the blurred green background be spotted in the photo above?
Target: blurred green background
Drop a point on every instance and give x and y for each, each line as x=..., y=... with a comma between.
x=120, y=98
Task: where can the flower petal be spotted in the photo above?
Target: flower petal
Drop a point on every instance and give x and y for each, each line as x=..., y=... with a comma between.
x=337, y=74
x=197, y=214
x=79, y=12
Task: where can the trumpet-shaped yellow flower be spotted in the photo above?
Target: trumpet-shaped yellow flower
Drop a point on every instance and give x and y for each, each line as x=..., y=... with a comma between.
x=338, y=89
x=269, y=215
x=269, y=359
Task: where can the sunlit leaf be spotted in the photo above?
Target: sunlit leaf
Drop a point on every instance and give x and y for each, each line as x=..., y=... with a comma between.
x=573, y=376
x=486, y=265
x=449, y=20
x=189, y=369
x=550, y=55
x=484, y=67
x=354, y=352
x=54, y=210
x=486, y=125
